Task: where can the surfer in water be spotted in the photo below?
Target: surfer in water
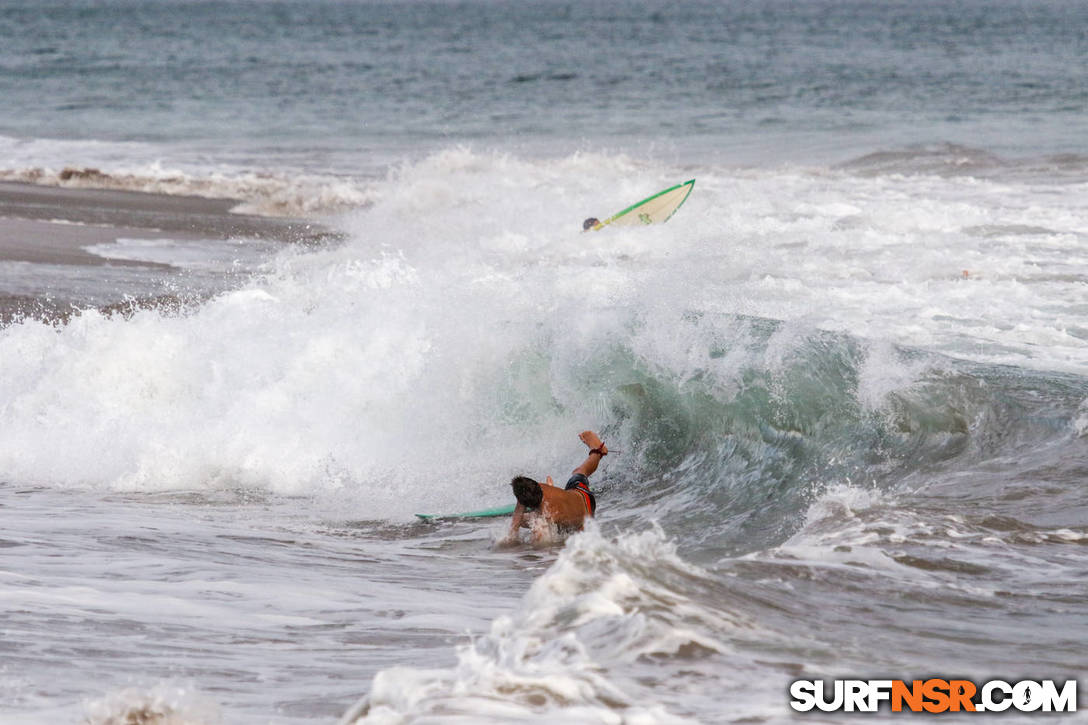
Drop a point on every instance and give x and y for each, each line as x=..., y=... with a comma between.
x=590, y=223
x=567, y=508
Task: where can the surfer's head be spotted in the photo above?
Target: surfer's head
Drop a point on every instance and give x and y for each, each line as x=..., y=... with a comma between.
x=527, y=491
x=589, y=224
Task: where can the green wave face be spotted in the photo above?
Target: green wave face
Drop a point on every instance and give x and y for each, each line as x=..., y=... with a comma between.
x=729, y=454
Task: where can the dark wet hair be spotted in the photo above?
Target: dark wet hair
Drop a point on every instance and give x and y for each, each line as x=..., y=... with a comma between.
x=590, y=223
x=527, y=491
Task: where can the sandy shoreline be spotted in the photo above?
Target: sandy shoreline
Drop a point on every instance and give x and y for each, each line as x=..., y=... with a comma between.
x=63, y=242
x=48, y=224
x=44, y=229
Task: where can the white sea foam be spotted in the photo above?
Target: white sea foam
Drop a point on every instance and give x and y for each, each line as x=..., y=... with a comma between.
x=884, y=372
x=214, y=255
x=573, y=648
x=162, y=704
x=125, y=167
x=1080, y=423
x=861, y=532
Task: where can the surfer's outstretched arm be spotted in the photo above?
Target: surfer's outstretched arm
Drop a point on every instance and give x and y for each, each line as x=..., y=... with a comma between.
x=518, y=521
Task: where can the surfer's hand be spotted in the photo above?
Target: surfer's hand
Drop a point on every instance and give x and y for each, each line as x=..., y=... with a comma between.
x=592, y=440
x=548, y=481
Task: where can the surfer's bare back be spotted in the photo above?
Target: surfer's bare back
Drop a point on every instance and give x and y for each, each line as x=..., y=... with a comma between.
x=565, y=508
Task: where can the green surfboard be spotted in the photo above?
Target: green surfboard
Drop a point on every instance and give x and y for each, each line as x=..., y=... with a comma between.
x=656, y=209
x=483, y=514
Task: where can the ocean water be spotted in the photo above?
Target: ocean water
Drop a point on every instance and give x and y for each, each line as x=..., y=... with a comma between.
x=845, y=386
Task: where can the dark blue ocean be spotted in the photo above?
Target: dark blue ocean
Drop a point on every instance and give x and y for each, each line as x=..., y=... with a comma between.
x=846, y=384
x=344, y=86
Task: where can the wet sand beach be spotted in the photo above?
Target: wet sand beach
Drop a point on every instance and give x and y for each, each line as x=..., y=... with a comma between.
x=129, y=214
x=46, y=233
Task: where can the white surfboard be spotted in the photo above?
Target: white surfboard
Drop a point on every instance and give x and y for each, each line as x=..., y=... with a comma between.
x=656, y=209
